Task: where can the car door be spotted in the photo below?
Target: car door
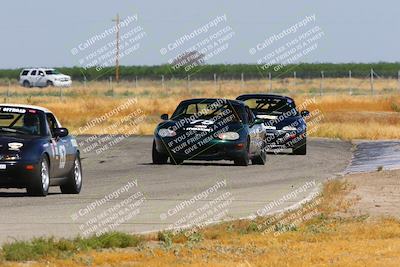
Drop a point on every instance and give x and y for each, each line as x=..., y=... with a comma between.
x=41, y=78
x=62, y=149
x=33, y=77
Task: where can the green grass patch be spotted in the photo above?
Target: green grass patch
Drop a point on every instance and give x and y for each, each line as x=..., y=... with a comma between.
x=62, y=248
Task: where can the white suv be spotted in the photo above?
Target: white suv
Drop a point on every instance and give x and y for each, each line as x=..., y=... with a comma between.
x=42, y=77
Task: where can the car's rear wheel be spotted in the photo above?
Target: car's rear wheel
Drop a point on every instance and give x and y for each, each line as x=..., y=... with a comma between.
x=176, y=161
x=244, y=159
x=157, y=157
x=40, y=182
x=74, y=179
x=26, y=84
x=301, y=147
x=260, y=159
x=49, y=83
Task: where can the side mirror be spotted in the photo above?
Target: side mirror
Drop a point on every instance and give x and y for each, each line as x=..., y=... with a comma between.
x=258, y=121
x=60, y=132
x=164, y=117
x=304, y=113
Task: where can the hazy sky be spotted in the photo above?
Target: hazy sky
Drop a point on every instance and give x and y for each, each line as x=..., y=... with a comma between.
x=42, y=33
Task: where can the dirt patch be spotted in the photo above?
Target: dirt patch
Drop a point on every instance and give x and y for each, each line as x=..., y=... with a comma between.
x=377, y=193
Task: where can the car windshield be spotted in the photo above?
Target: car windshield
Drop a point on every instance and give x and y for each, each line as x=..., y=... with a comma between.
x=271, y=106
x=52, y=72
x=206, y=110
x=22, y=121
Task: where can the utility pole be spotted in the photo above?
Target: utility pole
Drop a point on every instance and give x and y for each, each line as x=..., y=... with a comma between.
x=117, y=52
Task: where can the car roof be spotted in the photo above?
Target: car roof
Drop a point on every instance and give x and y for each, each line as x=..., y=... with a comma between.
x=208, y=100
x=40, y=68
x=259, y=95
x=27, y=107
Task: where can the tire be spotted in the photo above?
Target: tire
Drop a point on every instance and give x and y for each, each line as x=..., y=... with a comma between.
x=74, y=179
x=158, y=158
x=49, y=83
x=40, y=182
x=300, y=148
x=260, y=159
x=244, y=159
x=26, y=84
x=175, y=161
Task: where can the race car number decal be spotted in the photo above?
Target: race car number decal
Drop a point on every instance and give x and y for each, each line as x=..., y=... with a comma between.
x=204, y=122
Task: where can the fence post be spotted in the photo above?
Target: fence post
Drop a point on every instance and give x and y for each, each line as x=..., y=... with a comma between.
x=372, y=81
x=8, y=90
x=215, y=80
x=188, y=81
x=294, y=78
x=242, y=79
x=270, y=81
x=398, y=81
x=162, y=81
x=111, y=86
x=84, y=81
x=136, y=82
x=350, y=89
x=61, y=93
x=321, y=84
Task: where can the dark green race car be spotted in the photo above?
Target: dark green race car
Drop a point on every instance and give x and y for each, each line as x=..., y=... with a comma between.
x=210, y=129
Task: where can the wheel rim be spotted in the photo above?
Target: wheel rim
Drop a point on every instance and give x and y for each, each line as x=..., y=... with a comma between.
x=77, y=173
x=45, y=176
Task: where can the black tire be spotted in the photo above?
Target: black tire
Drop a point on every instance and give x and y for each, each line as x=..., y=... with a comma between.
x=244, y=159
x=175, y=161
x=40, y=182
x=301, y=147
x=49, y=83
x=158, y=158
x=260, y=159
x=73, y=184
x=26, y=84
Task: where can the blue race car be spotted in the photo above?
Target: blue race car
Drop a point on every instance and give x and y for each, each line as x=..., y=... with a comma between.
x=285, y=125
x=36, y=152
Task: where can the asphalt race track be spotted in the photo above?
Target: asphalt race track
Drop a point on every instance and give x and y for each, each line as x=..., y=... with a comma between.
x=161, y=195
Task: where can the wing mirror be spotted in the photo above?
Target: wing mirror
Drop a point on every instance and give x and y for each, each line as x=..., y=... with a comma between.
x=164, y=117
x=258, y=121
x=304, y=113
x=60, y=132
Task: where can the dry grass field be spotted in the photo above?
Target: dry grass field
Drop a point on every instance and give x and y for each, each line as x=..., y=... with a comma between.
x=360, y=115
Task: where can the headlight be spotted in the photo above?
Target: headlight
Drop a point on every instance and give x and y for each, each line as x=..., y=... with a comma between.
x=15, y=146
x=289, y=128
x=166, y=133
x=229, y=136
x=10, y=157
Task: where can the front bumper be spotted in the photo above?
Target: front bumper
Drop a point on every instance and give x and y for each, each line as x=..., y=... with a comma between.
x=215, y=149
x=16, y=174
x=283, y=139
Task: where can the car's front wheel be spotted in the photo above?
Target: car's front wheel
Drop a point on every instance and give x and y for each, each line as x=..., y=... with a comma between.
x=74, y=179
x=301, y=147
x=157, y=157
x=49, y=83
x=39, y=185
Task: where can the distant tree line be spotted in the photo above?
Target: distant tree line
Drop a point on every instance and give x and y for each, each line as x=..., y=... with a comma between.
x=227, y=71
